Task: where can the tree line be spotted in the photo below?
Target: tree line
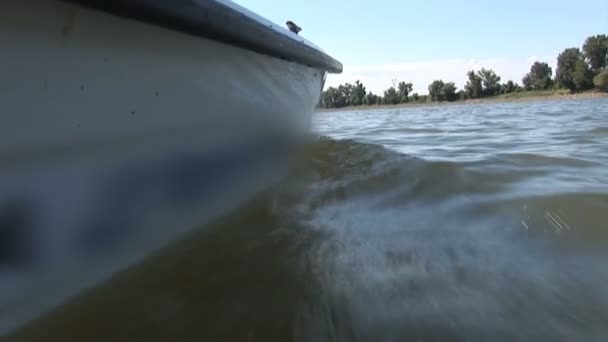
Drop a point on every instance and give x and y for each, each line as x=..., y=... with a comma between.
x=577, y=70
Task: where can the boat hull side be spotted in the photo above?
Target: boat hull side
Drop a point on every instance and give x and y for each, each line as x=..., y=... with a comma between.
x=120, y=137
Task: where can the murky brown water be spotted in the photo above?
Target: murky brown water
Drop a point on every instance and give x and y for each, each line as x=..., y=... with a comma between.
x=448, y=223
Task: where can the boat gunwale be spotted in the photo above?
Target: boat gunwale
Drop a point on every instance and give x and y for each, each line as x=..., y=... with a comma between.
x=221, y=21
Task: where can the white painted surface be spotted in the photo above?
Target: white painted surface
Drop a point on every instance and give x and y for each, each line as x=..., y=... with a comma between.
x=103, y=122
x=280, y=28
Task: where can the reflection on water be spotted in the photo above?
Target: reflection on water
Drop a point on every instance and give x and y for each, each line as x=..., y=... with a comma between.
x=491, y=226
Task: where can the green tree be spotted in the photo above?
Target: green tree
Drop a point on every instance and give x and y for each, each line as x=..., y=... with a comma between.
x=342, y=96
x=371, y=99
x=509, y=87
x=435, y=90
x=490, y=82
x=539, y=77
x=448, y=91
x=329, y=98
x=582, y=75
x=566, y=63
x=440, y=91
x=484, y=82
x=461, y=95
x=391, y=96
x=601, y=80
x=595, y=51
x=415, y=97
x=357, y=93
x=404, y=90
x=473, y=88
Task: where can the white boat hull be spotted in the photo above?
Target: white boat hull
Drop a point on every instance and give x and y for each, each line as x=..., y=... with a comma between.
x=119, y=137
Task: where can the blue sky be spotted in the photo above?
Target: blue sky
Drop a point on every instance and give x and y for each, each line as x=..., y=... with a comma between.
x=380, y=40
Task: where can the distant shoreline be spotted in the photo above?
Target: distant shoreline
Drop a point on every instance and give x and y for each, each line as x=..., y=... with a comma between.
x=525, y=96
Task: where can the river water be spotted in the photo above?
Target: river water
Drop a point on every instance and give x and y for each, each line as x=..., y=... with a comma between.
x=484, y=222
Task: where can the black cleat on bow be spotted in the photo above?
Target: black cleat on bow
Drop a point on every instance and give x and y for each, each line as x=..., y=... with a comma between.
x=293, y=27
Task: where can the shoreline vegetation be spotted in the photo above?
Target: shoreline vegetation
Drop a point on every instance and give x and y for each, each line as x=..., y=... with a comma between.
x=580, y=73
x=524, y=96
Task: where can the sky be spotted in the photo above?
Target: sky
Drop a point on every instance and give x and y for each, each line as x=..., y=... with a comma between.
x=419, y=41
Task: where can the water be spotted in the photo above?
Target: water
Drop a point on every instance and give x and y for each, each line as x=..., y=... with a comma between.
x=446, y=223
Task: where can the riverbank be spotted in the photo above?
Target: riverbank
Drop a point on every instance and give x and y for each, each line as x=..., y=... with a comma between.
x=532, y=95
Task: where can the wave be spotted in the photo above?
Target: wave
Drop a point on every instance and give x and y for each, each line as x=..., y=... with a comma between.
x=417, y=249
x=362, y=243
x=534, y=159
x=599, y=130
x=421, y=130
